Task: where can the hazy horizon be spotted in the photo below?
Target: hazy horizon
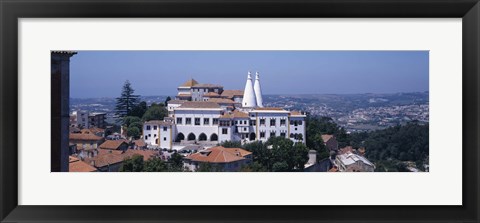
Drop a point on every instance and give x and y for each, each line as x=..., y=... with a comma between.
x=293, y=94
x=159, y=73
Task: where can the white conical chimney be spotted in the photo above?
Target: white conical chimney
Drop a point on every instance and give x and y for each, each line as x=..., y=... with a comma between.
x=258, y=90
x=249, y=100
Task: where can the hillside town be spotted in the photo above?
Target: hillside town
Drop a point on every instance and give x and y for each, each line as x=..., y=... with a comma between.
x=208, y=128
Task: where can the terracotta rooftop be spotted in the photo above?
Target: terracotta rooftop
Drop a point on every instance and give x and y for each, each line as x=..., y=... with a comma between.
x=207, y=86
x=221, y=100
x=295, y=113
x=219, y=154
x=235, y=114
x=326, y=137
x=199, y=104
x=92, y=130
x=189, y=83
x=108, y=157
x=231, y=93
x=76, y=165
x=86, y=137
x=147, y=154
x=158, y=122
x=139, y=142
x=211, y=94
x=112, y=144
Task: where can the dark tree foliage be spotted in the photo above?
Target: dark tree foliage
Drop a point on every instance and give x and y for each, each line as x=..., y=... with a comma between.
x=391, y=147
x=208, y=167
x=139, y=110
x=127, y=100
x=176, y=162
x=128, y=120
x=167, y=100
x=133, y=132
x=132, y=164
x=155, y=112
x=316, y=127
x=156, y=165
x=231, y=144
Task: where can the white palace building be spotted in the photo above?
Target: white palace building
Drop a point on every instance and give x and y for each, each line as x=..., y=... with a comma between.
x=206, y=114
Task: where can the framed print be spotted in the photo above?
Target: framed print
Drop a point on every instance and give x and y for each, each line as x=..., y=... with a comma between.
x=288, y=111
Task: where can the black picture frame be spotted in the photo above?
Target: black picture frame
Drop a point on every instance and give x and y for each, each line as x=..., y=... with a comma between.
x=11, y=11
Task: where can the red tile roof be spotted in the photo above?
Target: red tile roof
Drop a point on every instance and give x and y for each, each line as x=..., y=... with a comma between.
x=86, y=137
x=113, y=144
x=76, y=165
x=219, y=154
x=189, y=83
x=234, y=114
x=232, y=93
x=326, y=137
x=211, y=94
x=199, y=104
x=221, y=100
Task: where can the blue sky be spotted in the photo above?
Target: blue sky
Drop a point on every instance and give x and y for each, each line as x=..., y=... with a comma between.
x=102, y=73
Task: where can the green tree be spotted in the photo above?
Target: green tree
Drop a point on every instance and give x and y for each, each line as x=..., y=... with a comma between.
x=132, y=164
x=139, y=110
x=231, y=144
x=176, y=161
x=280, y=167
x=205, y=167
x=127, y=120
x=155, y=112
x=167, y=100
x=127, y=100
x=155, y=165
x=133, y=132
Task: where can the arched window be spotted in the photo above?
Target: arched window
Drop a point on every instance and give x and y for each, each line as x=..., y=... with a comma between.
x=202, y=137
x=214, y=137
x=180, y=137
x=191, y=137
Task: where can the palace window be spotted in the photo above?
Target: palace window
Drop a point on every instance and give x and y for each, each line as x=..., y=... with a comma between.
x=154, y=127
x=188, y=121
x=179, y=120
x=282, y=134
x=262, y=121
x=224, y=131
x=164, y=138
x=148, y=127
x=224, y=123
x=154, y=135
x=299, y=122
x=272, y=134
x=272, y=122
x=215, y=121
x=283, y=121
x=197, y=121
x=262, y=134
x=165, y=128
x=206, y=121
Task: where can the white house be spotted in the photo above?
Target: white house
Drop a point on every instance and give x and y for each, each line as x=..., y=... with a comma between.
x=218, y=115
x=159, y=133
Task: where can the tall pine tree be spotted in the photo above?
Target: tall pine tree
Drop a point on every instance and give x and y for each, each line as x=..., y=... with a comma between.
x=127, y=101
